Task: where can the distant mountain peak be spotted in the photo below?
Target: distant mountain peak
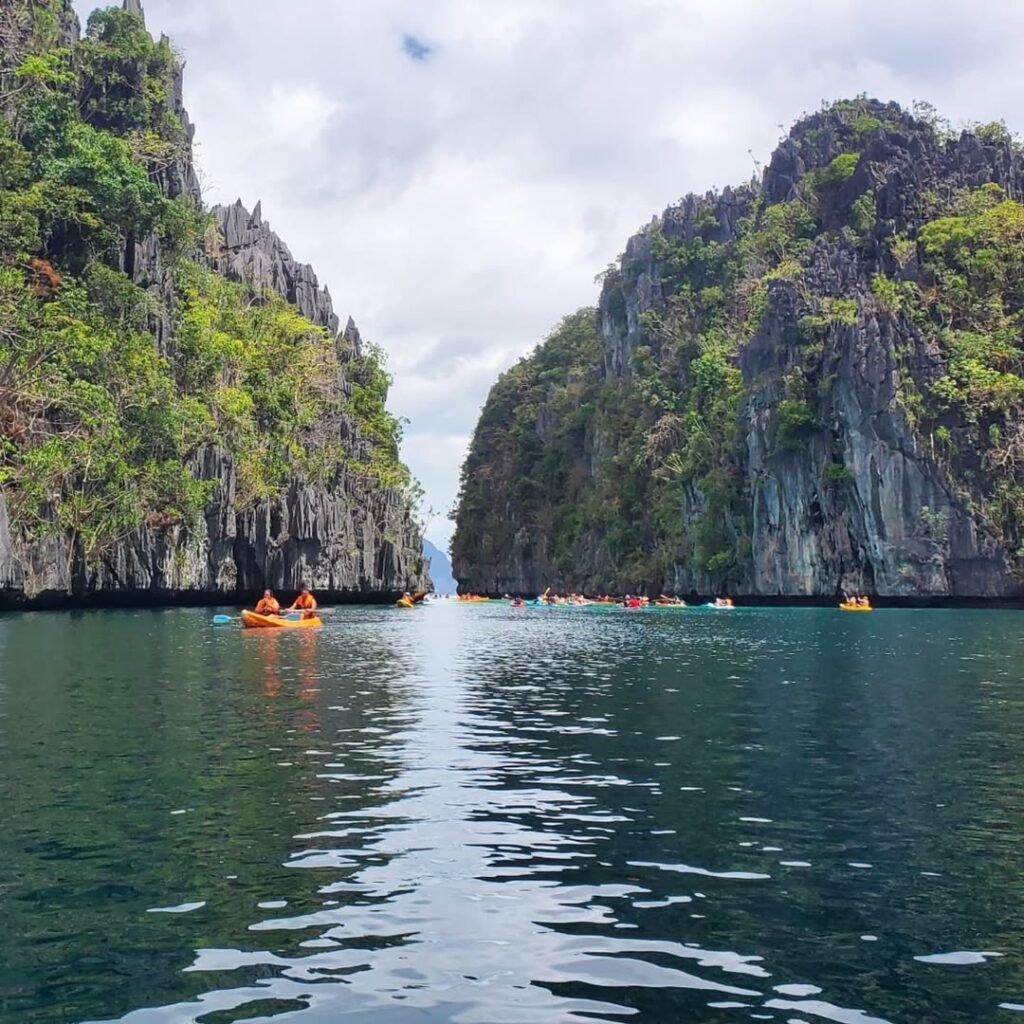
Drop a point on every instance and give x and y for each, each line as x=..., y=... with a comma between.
x=440, y=569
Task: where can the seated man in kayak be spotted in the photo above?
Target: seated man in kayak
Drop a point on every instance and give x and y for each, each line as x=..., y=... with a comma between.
x=268, y=604
x=305, y=604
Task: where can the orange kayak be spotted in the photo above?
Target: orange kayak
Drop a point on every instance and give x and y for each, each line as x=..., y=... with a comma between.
x=253, y=621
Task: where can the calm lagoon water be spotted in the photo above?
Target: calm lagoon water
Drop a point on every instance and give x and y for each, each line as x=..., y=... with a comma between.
x=479, y=815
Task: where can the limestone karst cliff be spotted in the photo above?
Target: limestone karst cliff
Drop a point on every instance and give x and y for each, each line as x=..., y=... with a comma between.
x=809, y=383
x=181, y=418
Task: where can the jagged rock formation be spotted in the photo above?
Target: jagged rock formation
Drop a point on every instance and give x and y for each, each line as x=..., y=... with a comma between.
x=346, y=536
x=251, y=253
x=344, y=542
x=794, y=388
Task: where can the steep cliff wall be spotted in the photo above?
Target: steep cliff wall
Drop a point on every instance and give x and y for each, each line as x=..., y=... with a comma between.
x=244, y=484
x=792, y=388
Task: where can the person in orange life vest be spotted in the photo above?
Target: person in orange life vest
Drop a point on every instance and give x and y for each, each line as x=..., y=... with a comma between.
x=305, y=604
x=268, y=604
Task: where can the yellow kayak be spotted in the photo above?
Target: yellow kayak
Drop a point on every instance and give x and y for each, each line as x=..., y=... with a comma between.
x=843, y=606
x=405, y=602
x=253, y=621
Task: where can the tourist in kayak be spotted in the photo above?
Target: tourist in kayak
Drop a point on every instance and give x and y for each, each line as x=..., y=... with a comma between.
x=268, y=604
x=305, y=604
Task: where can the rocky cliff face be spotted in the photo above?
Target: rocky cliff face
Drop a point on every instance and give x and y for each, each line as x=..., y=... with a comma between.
x=345, y=542
x=346, y=537
x=791, y=389
x=249, y=252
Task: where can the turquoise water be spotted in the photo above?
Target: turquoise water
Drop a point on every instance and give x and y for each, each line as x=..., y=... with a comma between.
x=480, y=815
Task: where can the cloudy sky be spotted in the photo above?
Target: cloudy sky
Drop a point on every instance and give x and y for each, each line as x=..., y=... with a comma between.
x=457, y=171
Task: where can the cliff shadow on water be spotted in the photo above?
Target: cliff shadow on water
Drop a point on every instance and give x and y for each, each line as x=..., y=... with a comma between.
x=182, y=419
x=806, y=385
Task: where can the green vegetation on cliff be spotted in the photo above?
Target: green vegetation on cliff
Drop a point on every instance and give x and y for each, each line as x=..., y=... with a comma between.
x=736, y=338
x=558, y=379
x=98, y=422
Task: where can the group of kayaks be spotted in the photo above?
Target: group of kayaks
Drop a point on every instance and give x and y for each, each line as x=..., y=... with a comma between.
x=630, y=601
x=633, y=603
x=254, y=620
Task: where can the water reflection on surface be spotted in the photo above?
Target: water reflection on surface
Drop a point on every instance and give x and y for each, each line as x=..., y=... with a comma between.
x=486, y=816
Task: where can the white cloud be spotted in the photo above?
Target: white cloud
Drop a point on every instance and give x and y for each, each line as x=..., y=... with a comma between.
x=459, y=206
x=298, y=114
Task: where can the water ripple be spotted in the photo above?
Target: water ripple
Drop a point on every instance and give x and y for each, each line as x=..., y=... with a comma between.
x=474, y=816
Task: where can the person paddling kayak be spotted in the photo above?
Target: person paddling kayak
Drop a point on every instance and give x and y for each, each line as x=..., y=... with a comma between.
x=268, y=604
x=305, y=604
